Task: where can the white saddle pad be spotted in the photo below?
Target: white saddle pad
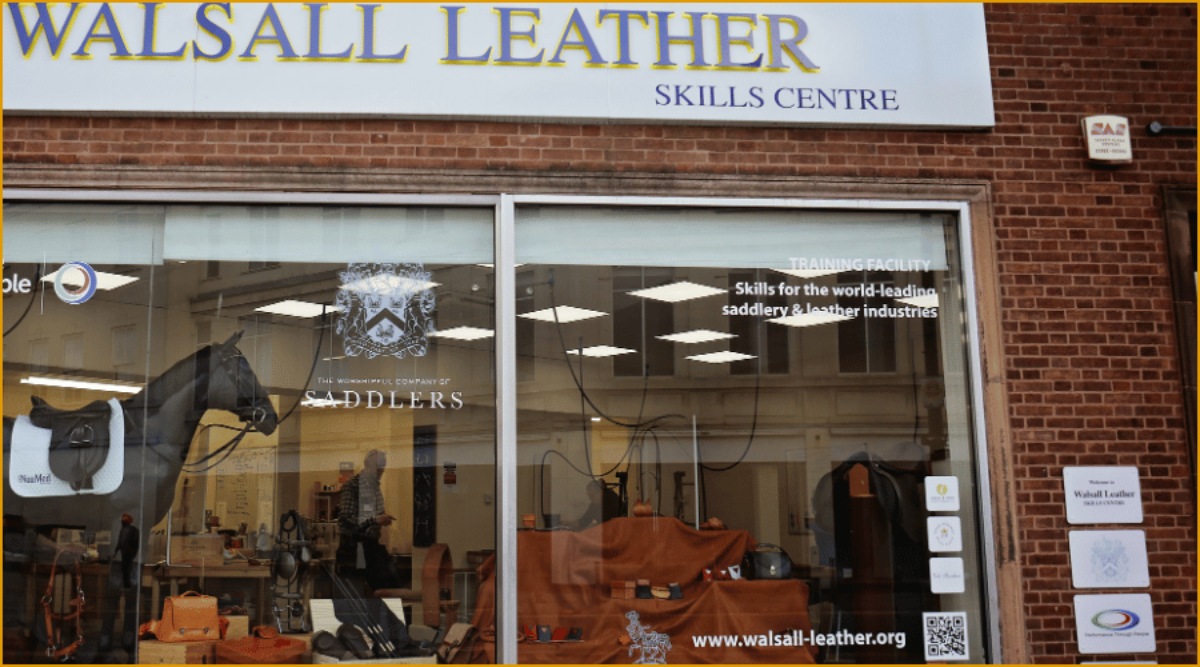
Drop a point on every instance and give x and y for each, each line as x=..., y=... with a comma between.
x=29, y=460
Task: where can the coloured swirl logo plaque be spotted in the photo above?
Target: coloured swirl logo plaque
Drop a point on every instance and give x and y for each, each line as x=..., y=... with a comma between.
x=75, y=283
x=1116, y=619
x=387, y=310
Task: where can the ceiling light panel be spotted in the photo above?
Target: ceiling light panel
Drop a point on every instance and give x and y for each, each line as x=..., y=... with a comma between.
x=564, y=314
x=808, y=273
x=293, y=308
x=696, y=336
x=810, y=319
x=599, y=351
x=676, y=292
x=463, y=333
x=104, y=281
x=921, y=301
x=88, y=385
x=725, y=357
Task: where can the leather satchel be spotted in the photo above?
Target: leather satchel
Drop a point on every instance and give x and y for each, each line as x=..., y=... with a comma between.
x=190, y=617
x=767, y=561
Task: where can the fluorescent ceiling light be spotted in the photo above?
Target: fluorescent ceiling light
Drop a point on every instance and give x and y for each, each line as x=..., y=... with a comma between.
x=810, y=319
x=696, y=336
x=293, y=308
x=104, y=280
x=463, y=333
x=597, y=351
x=338, y=357
x=89, y=385
x=921, y=301
x=809, y=273
x=565, y=314
x=382, y=283
x=492, y=266
x=676, y=292
x=321, y=402
x=721, y=357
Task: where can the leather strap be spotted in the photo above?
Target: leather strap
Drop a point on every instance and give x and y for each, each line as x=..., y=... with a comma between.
x=53, y=634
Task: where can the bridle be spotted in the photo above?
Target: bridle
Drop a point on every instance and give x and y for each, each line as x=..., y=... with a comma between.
x=257, y=414
x=228, y=363
x=76, y=604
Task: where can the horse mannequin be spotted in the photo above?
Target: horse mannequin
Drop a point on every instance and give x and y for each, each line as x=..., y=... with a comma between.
x=159, y=425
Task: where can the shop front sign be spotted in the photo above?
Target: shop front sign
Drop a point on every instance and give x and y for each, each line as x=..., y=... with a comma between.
x=754, y=63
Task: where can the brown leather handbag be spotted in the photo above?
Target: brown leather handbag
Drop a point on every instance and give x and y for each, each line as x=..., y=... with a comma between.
x=190, y=617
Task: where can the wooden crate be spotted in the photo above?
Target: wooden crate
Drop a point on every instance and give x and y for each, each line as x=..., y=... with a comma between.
x=154, y=652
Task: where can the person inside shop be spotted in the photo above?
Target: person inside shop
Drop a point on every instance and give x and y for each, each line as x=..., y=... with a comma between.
x=603, y=504
x=361, y=520
x=122, y=584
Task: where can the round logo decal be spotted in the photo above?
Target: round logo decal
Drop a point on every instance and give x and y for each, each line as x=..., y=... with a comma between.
x=75, y=283
x=1115, y=619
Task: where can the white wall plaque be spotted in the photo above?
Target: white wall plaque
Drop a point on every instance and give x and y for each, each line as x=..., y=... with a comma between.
x=946, y=575
x=941, y=493
x=1108, y=138
x=1114, y=623
x=1102, y=494
x=1109, y=559
x=827, y=64
x=945, y=533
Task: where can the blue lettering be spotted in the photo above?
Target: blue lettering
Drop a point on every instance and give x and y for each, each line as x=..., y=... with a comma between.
x=663, y=94
x=452, y=54
x=694, y=39
x=44, y=24
x=791, y=45
x=585, y=42
x=726, y=40
x=507, y=35
x=148, y=30
x=368, y=51
x=277, y=36
x=623, y=17
x=314, y=34
x=214, y=30
x=113, y=36
x=681, y=96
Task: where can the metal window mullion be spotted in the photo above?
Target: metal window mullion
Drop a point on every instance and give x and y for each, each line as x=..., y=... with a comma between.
x=506, y=432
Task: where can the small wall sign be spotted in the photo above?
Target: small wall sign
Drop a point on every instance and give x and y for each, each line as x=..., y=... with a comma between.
x=1114, y=623
x=1102, y=494
x=1108, y=139
x=1109, y=559
x=941, y=493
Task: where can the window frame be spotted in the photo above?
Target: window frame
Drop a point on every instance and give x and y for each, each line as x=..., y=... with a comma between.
x=968, y=204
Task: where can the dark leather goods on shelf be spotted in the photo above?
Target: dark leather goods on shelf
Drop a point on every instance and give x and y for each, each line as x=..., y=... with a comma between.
x=566, y=579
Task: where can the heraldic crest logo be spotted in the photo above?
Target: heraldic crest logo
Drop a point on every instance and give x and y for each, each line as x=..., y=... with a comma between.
x=386, y=310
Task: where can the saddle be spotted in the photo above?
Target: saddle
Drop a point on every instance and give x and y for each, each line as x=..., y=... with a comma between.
x=79, y=439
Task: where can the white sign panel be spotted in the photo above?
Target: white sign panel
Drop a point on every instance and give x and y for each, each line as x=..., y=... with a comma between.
x=945, y=533
x=946, y=575
x=830, y=64
x=1114, y=623
x=1108, y=138
x=1103, y=494
x=1109, y=559
x=941, y=493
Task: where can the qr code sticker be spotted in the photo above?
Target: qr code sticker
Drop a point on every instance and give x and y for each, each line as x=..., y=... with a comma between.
x=945, y=635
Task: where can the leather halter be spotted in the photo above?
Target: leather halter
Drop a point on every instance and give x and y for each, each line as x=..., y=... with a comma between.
x=54, y=648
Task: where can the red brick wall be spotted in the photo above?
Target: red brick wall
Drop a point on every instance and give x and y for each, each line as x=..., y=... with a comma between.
x=1092, y=374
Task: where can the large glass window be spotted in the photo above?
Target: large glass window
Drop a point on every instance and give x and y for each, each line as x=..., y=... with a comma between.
x=796, y=481
x=288, y=408
x=743, y=434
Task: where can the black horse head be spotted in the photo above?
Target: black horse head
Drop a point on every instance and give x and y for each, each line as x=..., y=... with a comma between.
x=232, y=386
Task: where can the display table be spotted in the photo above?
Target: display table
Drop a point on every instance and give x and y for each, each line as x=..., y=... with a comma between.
x=564, y=581
x=178, y=578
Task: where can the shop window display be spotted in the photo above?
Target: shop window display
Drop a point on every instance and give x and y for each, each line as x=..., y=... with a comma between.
x=775, y=496
x=188, y=390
